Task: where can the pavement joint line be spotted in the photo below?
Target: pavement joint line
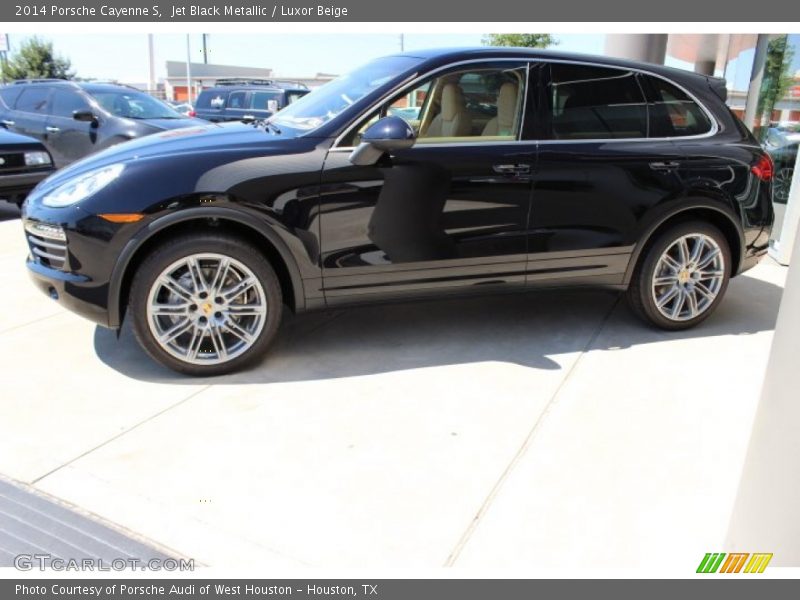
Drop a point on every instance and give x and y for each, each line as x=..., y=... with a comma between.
x=27, y=323
x=526, y=442
x=120, y=434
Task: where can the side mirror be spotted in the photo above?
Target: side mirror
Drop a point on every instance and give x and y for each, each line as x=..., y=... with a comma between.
x=388, y=134
x=85, y=116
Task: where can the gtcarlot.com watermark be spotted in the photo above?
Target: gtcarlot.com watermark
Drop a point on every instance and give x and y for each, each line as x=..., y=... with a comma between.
x=43, y=562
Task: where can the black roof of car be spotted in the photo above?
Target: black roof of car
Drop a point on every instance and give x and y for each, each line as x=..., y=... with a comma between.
x=445, y=55
x=273, y=86
x=86, y=85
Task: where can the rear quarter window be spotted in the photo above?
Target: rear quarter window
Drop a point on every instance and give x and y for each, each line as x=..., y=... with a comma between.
x=9, y=95
x=672, y=113
x=587, y=103
x=212, y=99
x=34, y=99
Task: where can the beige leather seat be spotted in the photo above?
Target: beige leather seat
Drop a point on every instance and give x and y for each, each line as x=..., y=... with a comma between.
x=505, y=121
x=453, y=120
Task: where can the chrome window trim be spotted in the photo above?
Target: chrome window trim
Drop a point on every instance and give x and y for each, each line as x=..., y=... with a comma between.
x=712, y=119
x=530, y=61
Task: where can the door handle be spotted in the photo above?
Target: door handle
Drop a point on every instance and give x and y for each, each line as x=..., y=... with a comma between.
x=664, y=165
x=7, y=123
x=51, y=129
x=512, y=169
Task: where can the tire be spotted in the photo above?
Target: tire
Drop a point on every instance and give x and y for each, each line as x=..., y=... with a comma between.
x=782, y=184
x=213, y=299
x=686, y=291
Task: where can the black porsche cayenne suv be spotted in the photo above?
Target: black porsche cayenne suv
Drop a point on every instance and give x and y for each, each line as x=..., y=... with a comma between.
x=516, y=169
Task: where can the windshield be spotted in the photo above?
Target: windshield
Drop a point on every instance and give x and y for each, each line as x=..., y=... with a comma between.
x=134, y=105
x=324, y=103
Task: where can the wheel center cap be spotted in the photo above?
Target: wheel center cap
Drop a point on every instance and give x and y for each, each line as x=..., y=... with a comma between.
x=683, y=276
x=208, y=308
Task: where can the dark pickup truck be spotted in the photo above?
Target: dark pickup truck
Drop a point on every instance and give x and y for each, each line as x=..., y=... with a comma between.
x=24, y=162
x=246, y=100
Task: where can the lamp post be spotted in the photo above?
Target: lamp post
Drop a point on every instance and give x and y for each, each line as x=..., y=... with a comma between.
x=188, y=70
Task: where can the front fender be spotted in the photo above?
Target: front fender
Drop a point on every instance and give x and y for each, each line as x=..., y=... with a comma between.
x=256, y=222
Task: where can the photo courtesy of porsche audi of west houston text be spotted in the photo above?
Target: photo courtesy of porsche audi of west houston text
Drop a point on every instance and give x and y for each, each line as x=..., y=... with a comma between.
x=155, y=590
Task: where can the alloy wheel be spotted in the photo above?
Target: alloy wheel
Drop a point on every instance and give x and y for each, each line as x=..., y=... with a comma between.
x=688, y=277
x=782, y=184
x=206, y=309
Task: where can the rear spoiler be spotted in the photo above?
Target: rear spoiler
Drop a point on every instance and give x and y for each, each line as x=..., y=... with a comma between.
x=719, y=86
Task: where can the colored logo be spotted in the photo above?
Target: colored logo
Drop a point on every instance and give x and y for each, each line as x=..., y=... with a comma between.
x=736, y=562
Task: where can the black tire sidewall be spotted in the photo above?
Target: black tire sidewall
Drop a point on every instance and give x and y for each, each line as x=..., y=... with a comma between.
x=644, y=303
x=166, y=254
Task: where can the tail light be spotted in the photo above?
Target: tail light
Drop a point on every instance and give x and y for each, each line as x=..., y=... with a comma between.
x=764, y=168
x=191, y=113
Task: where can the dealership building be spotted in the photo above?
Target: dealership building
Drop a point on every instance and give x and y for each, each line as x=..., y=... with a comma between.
x=178, y=83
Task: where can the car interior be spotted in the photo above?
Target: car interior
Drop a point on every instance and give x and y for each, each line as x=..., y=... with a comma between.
x=477, y=105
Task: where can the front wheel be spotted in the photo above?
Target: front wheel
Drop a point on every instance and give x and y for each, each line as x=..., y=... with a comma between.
x=205, y=304
x=682, y=276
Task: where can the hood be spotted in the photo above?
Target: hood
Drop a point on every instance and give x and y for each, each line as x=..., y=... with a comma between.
x=8, y=138
x=209, y=137
x=164, y=124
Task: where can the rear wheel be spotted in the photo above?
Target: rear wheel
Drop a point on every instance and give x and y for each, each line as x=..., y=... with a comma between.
x=206, y=304
x=782, y=184
x=682, y=276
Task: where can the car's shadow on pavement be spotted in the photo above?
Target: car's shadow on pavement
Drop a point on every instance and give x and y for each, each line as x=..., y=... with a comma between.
x=530, y=329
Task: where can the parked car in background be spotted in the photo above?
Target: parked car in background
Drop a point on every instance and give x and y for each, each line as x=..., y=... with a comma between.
x=24, y=162
x=781, y=144
x=524, y=169
x=186, y=109
x=246, y=99
x=409, y=113
x=74, y=119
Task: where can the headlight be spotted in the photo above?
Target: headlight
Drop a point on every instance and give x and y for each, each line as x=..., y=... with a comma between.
x=37, y=158
x=82, y=186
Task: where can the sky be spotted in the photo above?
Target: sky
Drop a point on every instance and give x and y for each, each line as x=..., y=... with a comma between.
x=123, y=56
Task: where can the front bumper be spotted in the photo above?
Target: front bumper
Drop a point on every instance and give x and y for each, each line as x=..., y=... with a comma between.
x=74, y=267
x=73, y=291
x=17, y=186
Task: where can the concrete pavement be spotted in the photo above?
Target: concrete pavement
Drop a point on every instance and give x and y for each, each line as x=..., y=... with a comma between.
x=544, y=429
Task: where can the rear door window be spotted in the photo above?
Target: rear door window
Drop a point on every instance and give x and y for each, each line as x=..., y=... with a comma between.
x=591, y=103
x=66, y=102
x=237, y=100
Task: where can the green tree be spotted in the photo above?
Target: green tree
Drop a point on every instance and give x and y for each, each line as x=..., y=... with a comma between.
x=778, y=78
x=520, y=40
x=36, y=59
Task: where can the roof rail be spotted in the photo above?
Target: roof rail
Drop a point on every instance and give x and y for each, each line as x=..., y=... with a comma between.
x=112, y=82
x=42, y=80
x=243, y=81
x=297, y=84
